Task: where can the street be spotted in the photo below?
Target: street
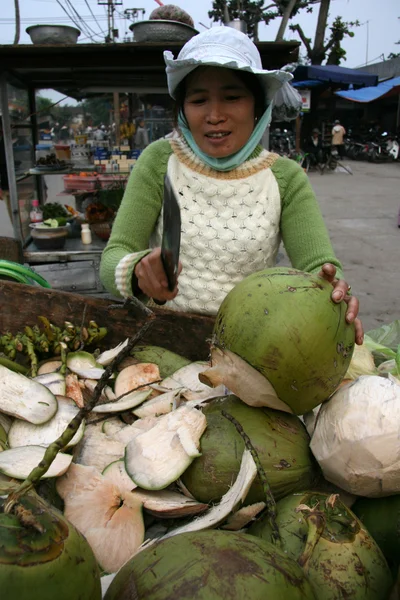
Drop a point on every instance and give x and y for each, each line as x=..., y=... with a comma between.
x=360, y=211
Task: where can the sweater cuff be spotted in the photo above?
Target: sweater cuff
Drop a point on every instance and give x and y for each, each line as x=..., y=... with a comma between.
x=124, y=272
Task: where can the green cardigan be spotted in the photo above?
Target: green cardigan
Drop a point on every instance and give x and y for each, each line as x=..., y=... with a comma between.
x=302, y=228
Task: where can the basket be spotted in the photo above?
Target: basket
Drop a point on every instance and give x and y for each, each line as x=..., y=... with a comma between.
x=102, y=230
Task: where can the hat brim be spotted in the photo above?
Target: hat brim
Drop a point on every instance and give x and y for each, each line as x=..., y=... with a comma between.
x=178, y=69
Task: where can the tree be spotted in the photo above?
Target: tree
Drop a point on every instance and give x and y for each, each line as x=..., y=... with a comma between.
x=17, y=22
x=254, y=12
x=317, y=52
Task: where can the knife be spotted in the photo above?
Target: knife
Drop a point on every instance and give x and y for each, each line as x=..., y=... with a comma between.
x=171, y=237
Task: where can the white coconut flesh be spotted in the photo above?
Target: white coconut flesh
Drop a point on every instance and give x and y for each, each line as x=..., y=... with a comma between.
x=106, y=394
x=244, y=516
x=156, y=458
x=136, y=376
x=127, y=402
x=129, y=432
x=55, y=382
x=116, y=474
x=160, y=405
x=23, y=433
x=19, y=462
x=167, y=504
x=110, y=518
x=96, y=449
x=93, y=373
x=74, y=390
x=50, y=366
x=241, y=379
x=80, y=361
x=310, y=418
x=112, y=425
x=229, y=502
x=188, y=378
x=356, y=437
x=105, y=358
x=25, y=399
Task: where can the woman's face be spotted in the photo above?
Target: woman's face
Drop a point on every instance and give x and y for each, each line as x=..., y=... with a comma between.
x=219, y=110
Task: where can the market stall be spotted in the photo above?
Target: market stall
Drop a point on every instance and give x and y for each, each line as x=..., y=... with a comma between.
x=83, y=71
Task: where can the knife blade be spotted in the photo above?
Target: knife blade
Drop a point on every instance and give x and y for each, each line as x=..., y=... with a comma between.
x=171, y=237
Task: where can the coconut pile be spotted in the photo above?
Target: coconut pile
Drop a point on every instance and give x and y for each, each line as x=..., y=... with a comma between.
x=281, y=450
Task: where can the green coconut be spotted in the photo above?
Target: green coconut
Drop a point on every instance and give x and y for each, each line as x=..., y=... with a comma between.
x=210, y=565
x=381, y=517
x=168, y=362
x=280, y=439
x=45, y=558
x=338, y=555
x=284, y=323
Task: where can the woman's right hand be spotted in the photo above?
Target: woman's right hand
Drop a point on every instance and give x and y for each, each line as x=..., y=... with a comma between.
x=152, y=279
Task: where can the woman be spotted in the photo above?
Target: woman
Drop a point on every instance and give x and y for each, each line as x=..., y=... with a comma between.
x=237, y=200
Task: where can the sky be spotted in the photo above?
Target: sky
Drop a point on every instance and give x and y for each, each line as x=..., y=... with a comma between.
x=373, y=40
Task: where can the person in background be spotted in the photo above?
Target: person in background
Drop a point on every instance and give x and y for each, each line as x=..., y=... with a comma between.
x=338, y=133
x=314, y=147
x=99, y=134
x=141, y=135
x=237, y=200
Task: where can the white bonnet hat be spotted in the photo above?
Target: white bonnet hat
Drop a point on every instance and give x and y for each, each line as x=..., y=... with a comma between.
x=222, y=47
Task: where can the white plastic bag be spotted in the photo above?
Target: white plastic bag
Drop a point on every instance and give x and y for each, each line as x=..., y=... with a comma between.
x=287, y=103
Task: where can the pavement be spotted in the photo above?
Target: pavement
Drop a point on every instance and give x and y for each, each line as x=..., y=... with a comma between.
x=360, y=211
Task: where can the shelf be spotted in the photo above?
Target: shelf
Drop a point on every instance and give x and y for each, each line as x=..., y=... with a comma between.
x=76, y=171
x=73, y=250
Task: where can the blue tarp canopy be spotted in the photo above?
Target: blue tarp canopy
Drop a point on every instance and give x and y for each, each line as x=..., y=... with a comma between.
x=334, y=74
x=390, y=87
x=306, y=84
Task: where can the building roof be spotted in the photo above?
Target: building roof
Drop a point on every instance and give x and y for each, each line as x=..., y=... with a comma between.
x=81, y=70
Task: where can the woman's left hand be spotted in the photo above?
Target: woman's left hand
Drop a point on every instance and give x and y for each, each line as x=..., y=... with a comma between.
x=340, y=292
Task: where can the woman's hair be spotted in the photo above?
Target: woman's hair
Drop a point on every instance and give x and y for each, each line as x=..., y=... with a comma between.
x=249, y=80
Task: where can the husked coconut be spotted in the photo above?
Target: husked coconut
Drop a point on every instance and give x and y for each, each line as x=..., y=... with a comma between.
x=356, y=437
x=110, y=518
x=157, y=457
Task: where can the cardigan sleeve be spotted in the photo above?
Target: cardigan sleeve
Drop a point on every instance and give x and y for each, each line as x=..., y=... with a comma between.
x=303, y=230
x=135, y=219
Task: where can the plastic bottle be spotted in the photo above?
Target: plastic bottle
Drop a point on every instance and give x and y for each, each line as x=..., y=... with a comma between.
x=86, y=234
x=36, y=215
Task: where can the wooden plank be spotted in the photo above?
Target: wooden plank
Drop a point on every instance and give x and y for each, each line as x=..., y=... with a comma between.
x=183, y=333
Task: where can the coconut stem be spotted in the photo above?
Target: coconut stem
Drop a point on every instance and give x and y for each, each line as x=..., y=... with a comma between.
x=51, y=452
x=316, y=526
x=270, y=509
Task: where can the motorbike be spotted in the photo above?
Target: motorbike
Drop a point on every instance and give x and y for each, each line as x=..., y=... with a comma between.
x=385, y=149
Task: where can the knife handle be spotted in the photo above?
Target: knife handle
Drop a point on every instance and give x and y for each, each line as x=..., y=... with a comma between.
x=159, y=302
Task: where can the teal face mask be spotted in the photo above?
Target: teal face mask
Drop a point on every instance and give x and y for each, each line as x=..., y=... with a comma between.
x=233, y=160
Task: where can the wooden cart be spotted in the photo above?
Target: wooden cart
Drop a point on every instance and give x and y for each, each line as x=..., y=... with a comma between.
x=183, y=333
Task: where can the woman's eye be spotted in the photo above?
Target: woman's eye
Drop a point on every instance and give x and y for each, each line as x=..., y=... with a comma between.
x=197, y=100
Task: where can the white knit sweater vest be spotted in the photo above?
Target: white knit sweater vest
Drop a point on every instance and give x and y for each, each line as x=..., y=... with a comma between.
x=230, y=226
